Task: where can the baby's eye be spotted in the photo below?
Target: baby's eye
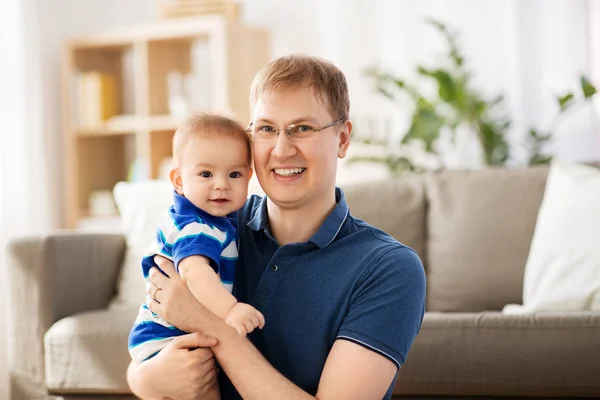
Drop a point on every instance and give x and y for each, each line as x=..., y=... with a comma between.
x=235, y=175
x=205, y=174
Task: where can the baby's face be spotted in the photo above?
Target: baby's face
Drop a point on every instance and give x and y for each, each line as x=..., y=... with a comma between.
x=215, y=173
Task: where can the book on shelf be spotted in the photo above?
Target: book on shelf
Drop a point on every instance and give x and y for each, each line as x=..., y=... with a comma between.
x=96, y=98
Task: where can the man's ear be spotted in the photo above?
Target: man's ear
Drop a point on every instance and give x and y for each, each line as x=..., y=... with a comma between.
x=345, y=134
x=175, y=178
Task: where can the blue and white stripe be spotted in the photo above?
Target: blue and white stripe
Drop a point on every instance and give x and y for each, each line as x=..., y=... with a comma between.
x=178, y=237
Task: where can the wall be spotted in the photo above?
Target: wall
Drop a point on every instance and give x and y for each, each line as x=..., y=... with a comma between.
x=530, y=50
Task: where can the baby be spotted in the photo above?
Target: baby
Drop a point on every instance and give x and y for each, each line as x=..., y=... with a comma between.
x=212, y=166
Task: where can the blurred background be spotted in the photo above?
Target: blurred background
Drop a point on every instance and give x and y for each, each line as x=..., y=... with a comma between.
x=74, y=121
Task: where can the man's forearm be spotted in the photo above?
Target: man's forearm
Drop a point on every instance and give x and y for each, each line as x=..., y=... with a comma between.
x=140, y=390
x=250, y=372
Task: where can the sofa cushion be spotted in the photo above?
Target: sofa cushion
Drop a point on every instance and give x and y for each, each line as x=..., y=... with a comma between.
x=491, y=354
x=563, y=269
x=87, y=352
x=480, y=225
x=396, y=206
x=140, y=204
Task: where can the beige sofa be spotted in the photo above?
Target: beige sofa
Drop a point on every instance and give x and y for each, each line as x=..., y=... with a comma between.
x=473, y=231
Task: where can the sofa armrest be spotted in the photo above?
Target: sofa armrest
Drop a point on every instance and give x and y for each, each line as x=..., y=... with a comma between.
x=48, y=278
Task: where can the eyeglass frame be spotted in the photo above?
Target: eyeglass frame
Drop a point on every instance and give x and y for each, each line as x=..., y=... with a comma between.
x=278, y=130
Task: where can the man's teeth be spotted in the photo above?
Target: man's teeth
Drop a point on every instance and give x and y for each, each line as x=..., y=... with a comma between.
x=288, y=171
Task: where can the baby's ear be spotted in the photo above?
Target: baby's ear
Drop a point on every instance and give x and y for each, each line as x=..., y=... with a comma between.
x=175, y=178
x=250, y=173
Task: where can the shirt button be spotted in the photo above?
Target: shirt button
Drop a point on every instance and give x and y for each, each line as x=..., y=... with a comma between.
x=274, y=268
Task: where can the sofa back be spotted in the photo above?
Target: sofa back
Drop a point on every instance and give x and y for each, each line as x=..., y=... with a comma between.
x=472, y=229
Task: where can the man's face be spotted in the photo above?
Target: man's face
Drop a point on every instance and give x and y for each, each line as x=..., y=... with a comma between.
x=297, y=173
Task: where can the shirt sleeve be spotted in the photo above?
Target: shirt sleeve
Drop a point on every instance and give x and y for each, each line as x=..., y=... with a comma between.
x=198, y=239
x=387, y=308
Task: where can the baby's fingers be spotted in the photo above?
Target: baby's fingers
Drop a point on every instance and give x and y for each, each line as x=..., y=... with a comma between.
x=261, y=319
x=241, y=329
x=254, y=320
x=249, y=325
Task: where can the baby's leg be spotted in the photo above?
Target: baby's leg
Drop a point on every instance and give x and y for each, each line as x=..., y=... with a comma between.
x=149, y=335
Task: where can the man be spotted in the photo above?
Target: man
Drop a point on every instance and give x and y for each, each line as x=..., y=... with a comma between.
x=342, y=300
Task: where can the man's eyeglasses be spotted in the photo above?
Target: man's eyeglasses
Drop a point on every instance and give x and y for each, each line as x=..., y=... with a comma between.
x=294, y=132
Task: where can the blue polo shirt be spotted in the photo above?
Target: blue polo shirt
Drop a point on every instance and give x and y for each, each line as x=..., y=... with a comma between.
x=350, y=281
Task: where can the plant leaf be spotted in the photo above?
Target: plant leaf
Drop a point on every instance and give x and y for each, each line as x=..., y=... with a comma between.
x=426, y=125
x=372, y=159
x=446, y=83
x=565, y=101
x=587, y=88
x=533, y=133
x=539, y=159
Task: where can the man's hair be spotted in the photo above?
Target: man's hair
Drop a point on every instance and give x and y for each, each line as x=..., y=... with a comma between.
x=298, y=70
x=207, y=126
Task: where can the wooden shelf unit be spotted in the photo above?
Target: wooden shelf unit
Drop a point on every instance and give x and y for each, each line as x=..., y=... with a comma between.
x=138, y=60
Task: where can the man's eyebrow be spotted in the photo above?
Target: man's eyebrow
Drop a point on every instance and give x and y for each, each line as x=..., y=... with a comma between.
x=294, y=121
x=304, y=119
x=264, y=121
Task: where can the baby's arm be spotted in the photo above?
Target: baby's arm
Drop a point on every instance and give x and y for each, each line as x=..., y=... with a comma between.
x=206, y=286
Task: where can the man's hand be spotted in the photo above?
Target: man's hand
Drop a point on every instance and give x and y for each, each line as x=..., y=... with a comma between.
x=172, y=300
x=184, y=369
x=245, y=318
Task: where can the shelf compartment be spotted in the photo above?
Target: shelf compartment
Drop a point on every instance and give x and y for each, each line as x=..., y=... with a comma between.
x=179, y=76
x=161, y=152
x=125, y=124
x=102, y=84
x=101, y=163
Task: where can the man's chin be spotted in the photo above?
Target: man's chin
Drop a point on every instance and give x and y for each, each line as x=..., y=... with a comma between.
x=281, y=197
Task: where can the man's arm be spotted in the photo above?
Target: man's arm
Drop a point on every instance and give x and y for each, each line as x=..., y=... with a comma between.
x=351, y=372
x=348, y=366
x=184, y=369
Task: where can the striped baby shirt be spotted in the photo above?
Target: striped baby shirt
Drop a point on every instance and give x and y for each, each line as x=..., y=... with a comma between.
x=184, y=230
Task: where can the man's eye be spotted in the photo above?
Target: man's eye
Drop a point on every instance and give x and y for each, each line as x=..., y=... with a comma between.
x=304, y=128
x=301, y=129
x=235, y=175
x=205, y=174
x=266, y=129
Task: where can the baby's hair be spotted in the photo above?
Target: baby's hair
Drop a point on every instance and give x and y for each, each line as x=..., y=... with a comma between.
x=209, y=125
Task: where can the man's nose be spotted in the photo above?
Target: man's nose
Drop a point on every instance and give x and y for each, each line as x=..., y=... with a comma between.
x=283, y=146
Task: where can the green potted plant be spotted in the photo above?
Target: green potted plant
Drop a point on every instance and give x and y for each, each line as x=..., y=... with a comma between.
x=456, y=106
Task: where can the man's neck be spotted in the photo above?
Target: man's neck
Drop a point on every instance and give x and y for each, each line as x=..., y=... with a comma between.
x=294, y=225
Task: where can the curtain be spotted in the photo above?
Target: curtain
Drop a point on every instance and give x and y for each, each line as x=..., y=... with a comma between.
x=25, y=192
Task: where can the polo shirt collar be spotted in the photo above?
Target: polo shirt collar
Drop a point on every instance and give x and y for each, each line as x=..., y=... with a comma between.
x=326, y=233
x=259, y=217
x=333, y=224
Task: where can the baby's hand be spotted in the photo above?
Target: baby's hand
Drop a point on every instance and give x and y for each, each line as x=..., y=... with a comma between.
x=244, y=318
